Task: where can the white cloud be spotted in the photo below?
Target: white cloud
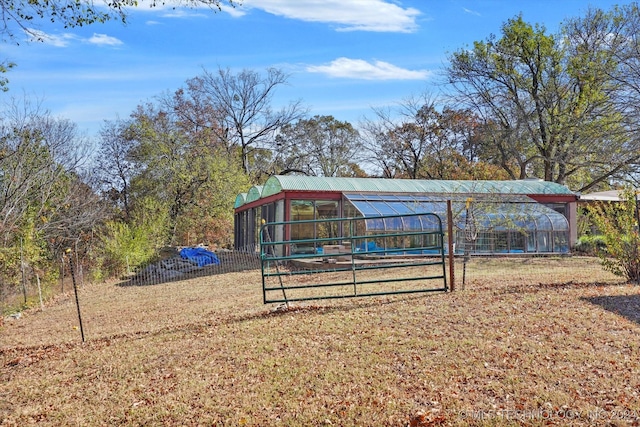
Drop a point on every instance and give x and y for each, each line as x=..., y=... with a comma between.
x=353, y=15
x=360, y=69
x=104, y=40
x=471, y=12
x=236, y=12
x=178, y=9
x=62, y=40
x=183, y=13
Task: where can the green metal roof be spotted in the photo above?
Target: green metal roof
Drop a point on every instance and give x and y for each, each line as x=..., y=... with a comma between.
x=254, y=193
x=241, y=199
x=278, y=183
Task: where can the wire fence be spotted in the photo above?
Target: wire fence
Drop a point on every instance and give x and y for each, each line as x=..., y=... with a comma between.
x=33, y=291
x=469, y=271
x=178, y=268
x=517, y=271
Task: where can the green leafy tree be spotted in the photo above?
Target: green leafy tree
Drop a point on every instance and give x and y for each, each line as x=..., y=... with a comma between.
x=4, y=68
x=126, y=245
x=166, y=157
x=171, y=167
x=548, y=101
x=209, y=220
x=617, y=223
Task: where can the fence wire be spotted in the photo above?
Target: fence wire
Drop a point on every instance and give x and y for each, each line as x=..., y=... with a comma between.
x=177, y=268
x=32, y=292
x=514, y=271
x=472, y=271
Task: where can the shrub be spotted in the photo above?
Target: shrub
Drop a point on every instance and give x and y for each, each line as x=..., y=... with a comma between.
x=124, y=247
x=590, y=244
x=618, y=224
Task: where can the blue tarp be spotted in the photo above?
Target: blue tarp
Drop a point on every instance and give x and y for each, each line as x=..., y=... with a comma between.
x=370, y=247
x=201, y=256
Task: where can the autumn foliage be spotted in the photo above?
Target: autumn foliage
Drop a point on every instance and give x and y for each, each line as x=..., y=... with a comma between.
x=617, y=223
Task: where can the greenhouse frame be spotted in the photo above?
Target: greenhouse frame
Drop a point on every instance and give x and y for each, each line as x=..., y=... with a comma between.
x=489, y=217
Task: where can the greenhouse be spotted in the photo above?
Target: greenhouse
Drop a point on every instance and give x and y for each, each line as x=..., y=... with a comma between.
x=511, y=224
x=489, y=217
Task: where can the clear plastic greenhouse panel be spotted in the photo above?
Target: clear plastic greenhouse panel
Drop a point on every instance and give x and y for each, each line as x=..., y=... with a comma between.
x=510, y=224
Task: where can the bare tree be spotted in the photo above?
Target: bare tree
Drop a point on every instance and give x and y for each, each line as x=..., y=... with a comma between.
x=610, y=42
x=242, y=104
x=114, y=168
x=402, y=139
x=44, y=203
x=37, y=152
x=320, y=146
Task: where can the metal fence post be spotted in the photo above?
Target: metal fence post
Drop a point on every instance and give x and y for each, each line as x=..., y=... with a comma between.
x=452, y=283
x=75, y=289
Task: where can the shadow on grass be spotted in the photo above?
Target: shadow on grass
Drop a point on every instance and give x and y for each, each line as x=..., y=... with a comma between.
x=537, y=287
x=22, y=356
x=624, y=305
x=352, y=303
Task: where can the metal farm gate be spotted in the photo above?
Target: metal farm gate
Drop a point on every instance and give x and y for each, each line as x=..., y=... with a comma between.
x=352, y=257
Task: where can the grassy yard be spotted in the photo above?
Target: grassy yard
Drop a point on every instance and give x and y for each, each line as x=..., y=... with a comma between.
x=527, y=341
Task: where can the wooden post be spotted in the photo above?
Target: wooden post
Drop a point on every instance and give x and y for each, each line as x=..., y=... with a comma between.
x=637, y=224
x=39, y=290
x=22, y=272
x=452, y=282
x=62, y=274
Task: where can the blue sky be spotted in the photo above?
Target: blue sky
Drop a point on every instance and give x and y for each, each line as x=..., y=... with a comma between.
x=343, y=56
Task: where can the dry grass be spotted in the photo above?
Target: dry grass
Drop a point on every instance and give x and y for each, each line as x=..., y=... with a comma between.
x=533, y=342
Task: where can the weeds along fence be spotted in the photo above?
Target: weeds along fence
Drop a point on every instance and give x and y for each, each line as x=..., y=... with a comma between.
x=32, y=288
